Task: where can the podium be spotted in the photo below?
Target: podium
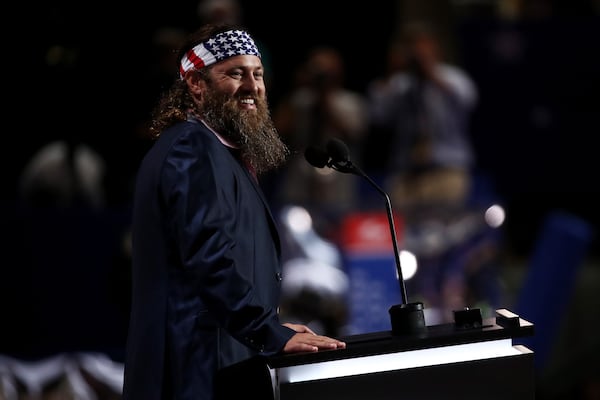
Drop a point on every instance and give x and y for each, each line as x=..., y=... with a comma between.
x=445, y=361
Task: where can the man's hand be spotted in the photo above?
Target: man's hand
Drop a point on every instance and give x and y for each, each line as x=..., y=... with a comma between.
x=305, y=340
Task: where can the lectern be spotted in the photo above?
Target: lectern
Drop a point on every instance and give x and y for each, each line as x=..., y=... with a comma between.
x=446, y=361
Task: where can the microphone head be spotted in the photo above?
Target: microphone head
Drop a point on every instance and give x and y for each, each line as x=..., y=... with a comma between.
x=337, y=150
x=316, y=157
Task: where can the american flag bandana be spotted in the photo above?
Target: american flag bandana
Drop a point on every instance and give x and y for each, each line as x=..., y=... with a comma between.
x=219, y=47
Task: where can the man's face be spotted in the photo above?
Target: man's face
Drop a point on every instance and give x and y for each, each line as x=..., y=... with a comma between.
x=234, y=103
x=241, y=77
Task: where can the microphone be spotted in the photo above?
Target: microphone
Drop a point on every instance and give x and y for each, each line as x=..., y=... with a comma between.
x=337, y=150
x=316, y=157
x=340, y=157
x=407, y=317
x=336, y=156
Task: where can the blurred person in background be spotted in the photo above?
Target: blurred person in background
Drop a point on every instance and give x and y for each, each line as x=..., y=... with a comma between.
x=205, y=247
x=424, y=105
x=64, y=173
x=422, y=108
x=318, y=108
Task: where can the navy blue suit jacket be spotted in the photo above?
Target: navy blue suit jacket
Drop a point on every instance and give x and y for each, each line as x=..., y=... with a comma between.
x=206, y=268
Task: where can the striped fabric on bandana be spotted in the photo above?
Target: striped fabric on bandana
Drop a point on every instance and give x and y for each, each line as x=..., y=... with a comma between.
x=219, y=47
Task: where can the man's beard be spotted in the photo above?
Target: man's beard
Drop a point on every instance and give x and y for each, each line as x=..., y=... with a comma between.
x=252, y=131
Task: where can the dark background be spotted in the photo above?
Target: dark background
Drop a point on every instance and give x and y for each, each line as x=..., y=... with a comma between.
x=534, y=130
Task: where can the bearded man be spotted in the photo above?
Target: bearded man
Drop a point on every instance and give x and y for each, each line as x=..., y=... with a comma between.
x=206, y=267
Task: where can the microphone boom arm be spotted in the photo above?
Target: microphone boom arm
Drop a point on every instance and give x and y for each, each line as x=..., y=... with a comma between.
x=346, y=166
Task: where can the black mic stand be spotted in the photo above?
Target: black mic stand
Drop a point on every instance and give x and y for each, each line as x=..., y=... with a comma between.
x=405, y=318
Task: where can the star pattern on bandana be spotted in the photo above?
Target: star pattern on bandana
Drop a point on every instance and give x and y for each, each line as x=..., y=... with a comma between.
x=218, y=48
x=231, y=43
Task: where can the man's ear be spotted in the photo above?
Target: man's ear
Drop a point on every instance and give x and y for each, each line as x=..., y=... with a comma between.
x=195, y=82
